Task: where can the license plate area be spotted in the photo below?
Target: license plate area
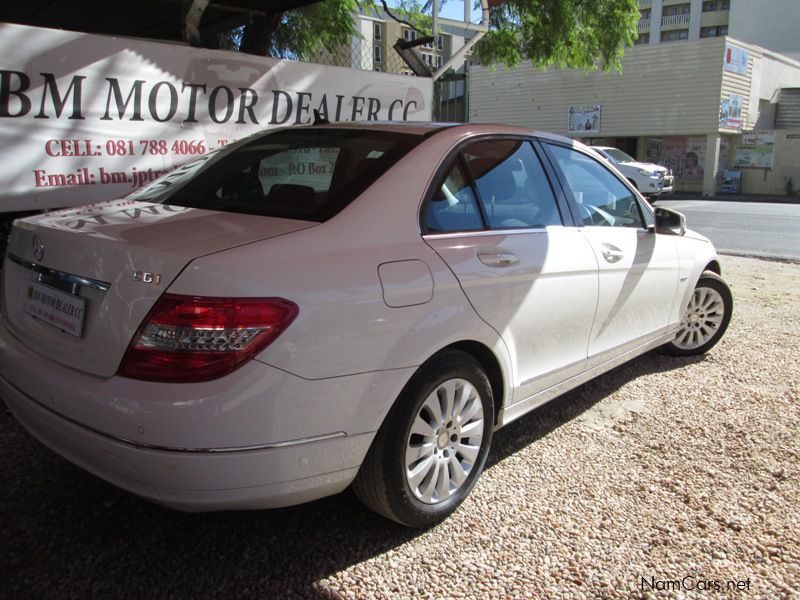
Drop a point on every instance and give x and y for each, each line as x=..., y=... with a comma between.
x=57, y=308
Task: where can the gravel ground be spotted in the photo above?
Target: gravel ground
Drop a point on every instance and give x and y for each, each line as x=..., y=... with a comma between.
x=664, y=475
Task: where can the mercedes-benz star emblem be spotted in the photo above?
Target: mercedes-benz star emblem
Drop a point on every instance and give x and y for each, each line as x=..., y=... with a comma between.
x=38, y=248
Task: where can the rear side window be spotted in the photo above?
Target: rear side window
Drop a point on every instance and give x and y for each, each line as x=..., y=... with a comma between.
x=512, y=185
x=601, y=198
x=298, y=174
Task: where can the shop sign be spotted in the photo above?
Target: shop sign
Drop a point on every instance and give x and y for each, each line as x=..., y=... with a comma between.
x=730, y=112
x=756, y=150
x=735, y=59
x=584, y=119
x=86, y=118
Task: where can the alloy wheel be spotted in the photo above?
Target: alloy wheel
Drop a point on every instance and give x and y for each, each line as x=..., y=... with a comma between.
x=444, y=441
x=702, y=319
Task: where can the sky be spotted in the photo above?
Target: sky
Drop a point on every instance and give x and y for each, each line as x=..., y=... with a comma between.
x=453, y=9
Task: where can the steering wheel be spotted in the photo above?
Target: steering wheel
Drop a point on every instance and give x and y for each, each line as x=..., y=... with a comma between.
x=585, y=211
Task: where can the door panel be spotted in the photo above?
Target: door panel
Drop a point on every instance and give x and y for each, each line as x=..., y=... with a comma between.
x=638, y=269
x=537, y=289
x=638, y=278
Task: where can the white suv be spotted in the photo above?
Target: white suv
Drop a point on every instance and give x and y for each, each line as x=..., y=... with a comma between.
x=651, y=180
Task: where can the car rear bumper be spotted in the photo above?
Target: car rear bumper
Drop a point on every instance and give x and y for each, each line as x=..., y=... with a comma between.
x=262, y=439
x=194, y=480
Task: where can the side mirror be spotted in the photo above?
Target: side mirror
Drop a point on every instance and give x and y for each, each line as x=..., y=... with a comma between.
x=670, y=221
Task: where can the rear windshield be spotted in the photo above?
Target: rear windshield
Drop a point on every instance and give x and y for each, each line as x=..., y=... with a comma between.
x=297, y=174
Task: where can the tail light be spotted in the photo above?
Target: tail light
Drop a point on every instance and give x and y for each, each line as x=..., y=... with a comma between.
x=191, y=338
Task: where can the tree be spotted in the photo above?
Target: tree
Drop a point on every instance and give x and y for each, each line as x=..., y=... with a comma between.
x=564, y=33
x=301, y=32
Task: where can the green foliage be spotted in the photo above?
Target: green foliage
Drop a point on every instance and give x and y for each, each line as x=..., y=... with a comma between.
x=564, y=33
x=301, y=32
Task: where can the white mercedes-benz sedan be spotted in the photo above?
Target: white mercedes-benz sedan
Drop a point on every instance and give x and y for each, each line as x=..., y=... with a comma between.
x=334, y=305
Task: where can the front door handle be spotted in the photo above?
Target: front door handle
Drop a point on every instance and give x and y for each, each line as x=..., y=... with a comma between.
x=498, y=259
x=612, y=254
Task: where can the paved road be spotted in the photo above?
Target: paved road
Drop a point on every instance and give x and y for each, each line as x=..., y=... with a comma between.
x=745, y=228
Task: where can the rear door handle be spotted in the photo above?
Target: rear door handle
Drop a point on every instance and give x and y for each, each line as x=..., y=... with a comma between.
x=498, y=259
x=611, y=253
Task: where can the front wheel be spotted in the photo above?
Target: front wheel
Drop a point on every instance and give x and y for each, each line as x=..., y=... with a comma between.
x=706, y=317
x=432, y=446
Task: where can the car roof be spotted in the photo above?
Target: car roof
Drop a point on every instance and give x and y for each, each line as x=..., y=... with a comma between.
x=456, y=130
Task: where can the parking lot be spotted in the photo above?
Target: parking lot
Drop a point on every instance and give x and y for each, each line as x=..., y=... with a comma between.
x=664, y=475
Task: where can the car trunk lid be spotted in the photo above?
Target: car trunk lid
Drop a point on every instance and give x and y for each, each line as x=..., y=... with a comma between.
x=77, y=283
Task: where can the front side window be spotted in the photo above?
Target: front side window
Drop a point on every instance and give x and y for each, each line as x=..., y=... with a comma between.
x=512, y=184
x=601, y=198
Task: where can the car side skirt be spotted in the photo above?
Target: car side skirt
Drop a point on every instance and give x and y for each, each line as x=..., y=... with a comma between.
x=518, y=409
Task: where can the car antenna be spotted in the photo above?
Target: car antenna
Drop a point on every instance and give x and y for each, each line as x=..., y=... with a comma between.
x=318, y=120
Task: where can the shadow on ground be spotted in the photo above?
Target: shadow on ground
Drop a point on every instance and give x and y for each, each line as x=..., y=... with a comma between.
x=67, y=534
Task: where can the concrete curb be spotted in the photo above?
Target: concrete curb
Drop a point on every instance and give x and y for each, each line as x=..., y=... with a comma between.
x=732, y=198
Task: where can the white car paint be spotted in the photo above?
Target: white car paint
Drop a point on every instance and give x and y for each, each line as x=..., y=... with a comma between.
x=650, y=179
x=377, y=298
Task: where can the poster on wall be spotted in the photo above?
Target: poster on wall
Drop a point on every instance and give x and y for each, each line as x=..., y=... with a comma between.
x=89, y=117
x=730, y=112
x=686, y=156
x=735, y=59
x=756, y=150
x=584, y=119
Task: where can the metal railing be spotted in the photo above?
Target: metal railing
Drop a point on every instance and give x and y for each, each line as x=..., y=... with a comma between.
x=674, y=20
x=644, y=25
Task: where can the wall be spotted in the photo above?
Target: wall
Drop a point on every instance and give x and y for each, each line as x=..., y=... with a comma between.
x=773, y=24
x=649, y=97
x=786, y=166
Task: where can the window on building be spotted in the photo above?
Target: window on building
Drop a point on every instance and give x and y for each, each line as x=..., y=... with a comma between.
x=377, y=31
x=644, y=38
x=377, y=54
x=676, y=9
x=440, y=42
x=409, y=35
x=439, y=62
x=716, y=5
x=717, y=31
x=674, y=35
x=428, y=45
x=645, y=14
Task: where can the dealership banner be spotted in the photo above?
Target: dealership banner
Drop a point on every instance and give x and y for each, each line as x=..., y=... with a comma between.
x=85, y=117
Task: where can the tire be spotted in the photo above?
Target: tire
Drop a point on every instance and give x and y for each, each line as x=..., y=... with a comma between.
x=705, y=319
x=421, y=465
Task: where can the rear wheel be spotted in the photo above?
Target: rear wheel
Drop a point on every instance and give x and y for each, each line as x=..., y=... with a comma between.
x=706, y=317
x=432, y=446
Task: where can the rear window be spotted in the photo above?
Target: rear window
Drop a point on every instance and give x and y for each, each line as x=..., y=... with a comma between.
x=297, y=174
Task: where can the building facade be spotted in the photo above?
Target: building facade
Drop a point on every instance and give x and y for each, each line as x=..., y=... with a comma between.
x=771, y=24
x=688, y=100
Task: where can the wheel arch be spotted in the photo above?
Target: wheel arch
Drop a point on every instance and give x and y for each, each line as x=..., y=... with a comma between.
x=714, y=267
x=490, y=364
